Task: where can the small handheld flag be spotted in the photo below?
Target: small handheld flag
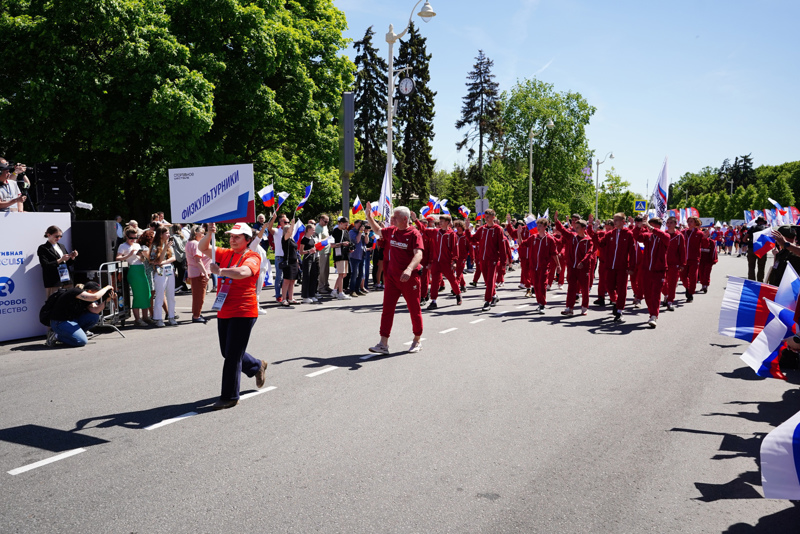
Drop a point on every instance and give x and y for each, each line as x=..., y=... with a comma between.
x=282, y=196
x=530, y=222
x=375, y=209
x=319, y=245
x=299, y=230
x=268, y=196
x=762, y=354
x=425, y=210
x=432, y=202
x=443, y=205
x=763, y=242
x=463, y=211
x=357, y=206
x=305, y=197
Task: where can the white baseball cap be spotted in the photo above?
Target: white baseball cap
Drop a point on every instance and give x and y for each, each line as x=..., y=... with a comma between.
x=241, y=228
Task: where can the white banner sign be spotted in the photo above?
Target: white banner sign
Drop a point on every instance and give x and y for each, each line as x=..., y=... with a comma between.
x=224, y=193
x=21, y=285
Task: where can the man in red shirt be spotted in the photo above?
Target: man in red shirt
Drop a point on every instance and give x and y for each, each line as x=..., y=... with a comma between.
x=620, y=249
x=693, y=237
x=653, y=265
x=443, y=256
x=491, y=255
x=543, y=252
x=676, y=262
x=579, y=251
x=402, y=255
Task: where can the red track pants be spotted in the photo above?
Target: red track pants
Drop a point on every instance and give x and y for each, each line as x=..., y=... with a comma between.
x=617, y=286
x=443, y=270
x=704, y=274
x=391, y=294
x=652, y=284
x=670, y=283
x=540, y=285
x=489, y=269
x=578, y=279
x=524, y=275
x=689, y=277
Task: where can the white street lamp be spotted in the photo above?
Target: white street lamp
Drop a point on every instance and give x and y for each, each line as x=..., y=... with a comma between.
x=426, y=13
x=533, y=133
x=597, y=182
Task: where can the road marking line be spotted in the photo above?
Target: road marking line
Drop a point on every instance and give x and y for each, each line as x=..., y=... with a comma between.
x=500, y=313
x=254, y=393
x=522, y=306
x=40, y=463
x=448, y=330
x=476, y=321
x=166, y=422
x=368, y=356
x=410, y=342
x=317, y=373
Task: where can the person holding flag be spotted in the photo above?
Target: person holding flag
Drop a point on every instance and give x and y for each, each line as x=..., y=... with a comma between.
x=403, y=253
x=292, y=233
x=308, y=249
x=754, y=260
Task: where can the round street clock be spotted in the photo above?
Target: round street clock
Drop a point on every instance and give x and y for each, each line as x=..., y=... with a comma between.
x=406, y=86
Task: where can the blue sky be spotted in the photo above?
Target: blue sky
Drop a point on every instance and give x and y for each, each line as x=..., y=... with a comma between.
x=695, y=81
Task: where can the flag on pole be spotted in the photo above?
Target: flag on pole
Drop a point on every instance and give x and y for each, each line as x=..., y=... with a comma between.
x=763, y=242
x=464, y=211
x=763, y=353
x=546, y=213
x=305, y=197
x=530, y=222
x=385, y=206
x=299, y=230
x=661, y=192
x=443, y=206
x=780, y=461
x=268, y=196
x=282, y=196
x=743, y=312
x=357, y=206
x=324, y=243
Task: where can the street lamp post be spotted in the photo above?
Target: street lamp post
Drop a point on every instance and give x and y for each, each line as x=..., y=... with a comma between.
x=597, y=182
x=426, y=13
x=534, y=133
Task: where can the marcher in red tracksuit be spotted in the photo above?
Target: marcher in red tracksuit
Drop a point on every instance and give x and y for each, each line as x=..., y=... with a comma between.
x=708, y=257
x=544, y=250
x=501, y=269
x=491, y=255
x=676, y=262
x=425, y=271
x=637, y=278
x=693, y=236
x=402, y=255
x=443, y=258
x=602, y=269
x=621, y=261
x=524, y=252
x=654, y=263
x=464, y=245
x=579, y=250
x=554, y=273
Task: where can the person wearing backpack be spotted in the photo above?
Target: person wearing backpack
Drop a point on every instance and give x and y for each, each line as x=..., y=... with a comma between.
x=75, y=311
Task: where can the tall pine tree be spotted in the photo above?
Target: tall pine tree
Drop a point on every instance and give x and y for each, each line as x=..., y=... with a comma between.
x=480, y=113
x=414, y=121
x=370, y=119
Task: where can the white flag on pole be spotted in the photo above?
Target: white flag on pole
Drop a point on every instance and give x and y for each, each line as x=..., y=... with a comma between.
x=661, y=192
x=385, y=202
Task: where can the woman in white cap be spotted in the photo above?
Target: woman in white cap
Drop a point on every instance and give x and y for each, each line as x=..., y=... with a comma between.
x=237, y=309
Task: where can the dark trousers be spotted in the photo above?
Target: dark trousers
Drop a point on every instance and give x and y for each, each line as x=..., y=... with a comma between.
x=752, y=261
x=180, y=275
x=234, y=333
x=310, y=278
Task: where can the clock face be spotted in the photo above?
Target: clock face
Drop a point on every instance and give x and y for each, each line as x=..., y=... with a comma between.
x=406, y=86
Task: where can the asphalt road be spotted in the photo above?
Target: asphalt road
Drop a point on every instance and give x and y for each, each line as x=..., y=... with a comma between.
x=506, y=421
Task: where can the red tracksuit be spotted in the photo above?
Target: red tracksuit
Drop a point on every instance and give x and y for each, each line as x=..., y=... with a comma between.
x=524, y=258
x=501, y=268
x=602, y=270
x=398, y=253
x=543, y=251
x=676, y=260
x=654, y=265
x=692, y=237
x=425, y=272
x=491, y=254
x=443, y=254
x=579, y=260
x=620, y=258
x=551, y=275
x=708, y=257
x=464, y=245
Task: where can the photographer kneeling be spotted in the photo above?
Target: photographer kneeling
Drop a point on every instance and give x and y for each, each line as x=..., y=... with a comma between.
x=75, y=311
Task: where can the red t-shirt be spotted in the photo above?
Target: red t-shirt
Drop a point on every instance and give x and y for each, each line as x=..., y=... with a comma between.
x=399, y=248
x=241, y=300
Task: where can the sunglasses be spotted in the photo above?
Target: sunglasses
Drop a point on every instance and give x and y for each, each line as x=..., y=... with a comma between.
x=58, y=236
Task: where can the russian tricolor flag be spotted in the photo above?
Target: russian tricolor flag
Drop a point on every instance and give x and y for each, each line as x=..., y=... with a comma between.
x=282, y=196
x=305, y=197
x=763, y=353
x=463, y=211
x=479, y=216
x=268, y=196
x=375, y=208
x=748, y=216
x=530, y=222
x=432, y=202
x=777, y=206
x=763, y=242
x=357, y=206
x=299, y=230
x=780, y=461
x=319, y=245
x=425, y=210
x=443, y=206
x=743, y=313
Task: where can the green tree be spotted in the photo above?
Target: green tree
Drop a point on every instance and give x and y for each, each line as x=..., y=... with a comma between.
x=613, y=195
x=415, y=163
x=370, y=119
x=780, y=191
x=559, y=155
x=480, y=112
x=740, y=171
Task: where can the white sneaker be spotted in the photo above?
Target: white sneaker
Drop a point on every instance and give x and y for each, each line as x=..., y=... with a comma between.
x=560, y=287
x=584, y=311
x=416, y=346
x=636, y=303
x=308, y=301
x=652, y=322
x=314, y=300
x=567, y=312
x=379, y=349
x=333, y=293
x=522, y=286
x=172, y=321
x=262, y=311
x=342, y=296
x=159, y=324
